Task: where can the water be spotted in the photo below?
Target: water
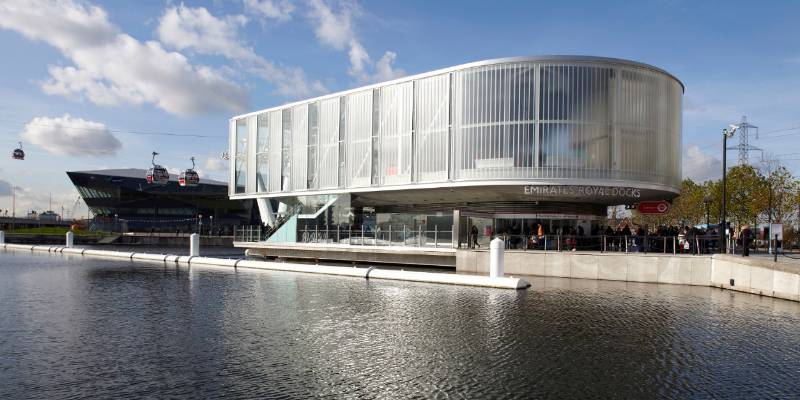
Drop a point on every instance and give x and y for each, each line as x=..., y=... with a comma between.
x=76, y=327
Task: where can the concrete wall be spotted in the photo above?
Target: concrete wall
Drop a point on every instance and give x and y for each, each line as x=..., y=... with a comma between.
x=757, y=275
x=751, y=275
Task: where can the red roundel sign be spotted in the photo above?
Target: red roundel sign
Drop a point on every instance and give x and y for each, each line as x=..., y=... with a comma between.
x=653, y=207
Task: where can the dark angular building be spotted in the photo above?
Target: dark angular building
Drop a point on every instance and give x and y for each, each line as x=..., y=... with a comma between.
x=121, y=199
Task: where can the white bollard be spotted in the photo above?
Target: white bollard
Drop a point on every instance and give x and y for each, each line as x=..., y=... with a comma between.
x=2, y=237
x=496, y=252
x=70, y=239
x=194, y=245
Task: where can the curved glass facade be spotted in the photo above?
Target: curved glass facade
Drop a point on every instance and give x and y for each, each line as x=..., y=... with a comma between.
x=570, y=120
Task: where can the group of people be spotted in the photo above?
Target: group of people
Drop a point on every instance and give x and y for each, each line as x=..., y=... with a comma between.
x=517, y=236
x=622, y=237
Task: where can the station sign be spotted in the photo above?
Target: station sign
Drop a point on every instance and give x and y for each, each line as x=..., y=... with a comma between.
x=582, y=191
x=653, y=207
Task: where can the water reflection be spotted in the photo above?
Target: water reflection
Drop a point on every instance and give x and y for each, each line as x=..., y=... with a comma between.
x=76, y=327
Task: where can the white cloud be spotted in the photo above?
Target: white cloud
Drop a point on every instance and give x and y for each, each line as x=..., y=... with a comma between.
x=216, y=164
x=113, y=68
x=279, y=10
x=384, y=68
x=336, y=30
x=36, y=199
x=196, y=29
x=187, y=28
x=358, y=58
x=71, y=136
x=333, y=29
x=700, y=166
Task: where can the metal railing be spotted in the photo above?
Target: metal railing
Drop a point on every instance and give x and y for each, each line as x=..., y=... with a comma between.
x=248, y=233
x=400, y=235
x=388, y=235
x=697, y=244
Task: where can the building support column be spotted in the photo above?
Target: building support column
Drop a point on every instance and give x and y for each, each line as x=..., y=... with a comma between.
x=266, y=212
x=456, y=233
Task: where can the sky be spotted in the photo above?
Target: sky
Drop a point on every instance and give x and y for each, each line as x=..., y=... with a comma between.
x=101, y=84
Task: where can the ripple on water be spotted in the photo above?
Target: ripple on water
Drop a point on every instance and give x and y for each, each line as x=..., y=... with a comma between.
x=76, y=327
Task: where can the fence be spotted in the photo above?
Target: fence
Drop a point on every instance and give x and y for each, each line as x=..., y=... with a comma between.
x=248, y=233
x=705, y=244
x=380, y=236
x=400, y=235
x=389, y=235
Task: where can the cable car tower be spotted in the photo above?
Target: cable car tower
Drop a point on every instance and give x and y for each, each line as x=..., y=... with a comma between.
x=157, y=175
x=744, y=146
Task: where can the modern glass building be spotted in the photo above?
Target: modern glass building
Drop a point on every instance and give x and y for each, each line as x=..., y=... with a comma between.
x=555, y=139
x=121, y=199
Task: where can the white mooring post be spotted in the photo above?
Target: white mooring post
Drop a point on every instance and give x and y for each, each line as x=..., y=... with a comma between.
x=2, y=237
x=194, y=245
x=70, y=239
x=496, y=253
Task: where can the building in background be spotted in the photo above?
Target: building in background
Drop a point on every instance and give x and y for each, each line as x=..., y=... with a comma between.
x=503, y=145
x=122, y=200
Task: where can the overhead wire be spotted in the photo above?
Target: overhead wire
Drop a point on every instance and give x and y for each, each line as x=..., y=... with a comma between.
x=120, y=131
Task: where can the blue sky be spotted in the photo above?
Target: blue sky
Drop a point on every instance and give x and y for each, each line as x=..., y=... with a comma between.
x=77, y=75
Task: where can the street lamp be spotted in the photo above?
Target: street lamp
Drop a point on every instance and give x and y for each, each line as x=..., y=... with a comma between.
x=199, y=223
x=13, y=206
x=706, y=201
x=211, y=223
x=723, y=226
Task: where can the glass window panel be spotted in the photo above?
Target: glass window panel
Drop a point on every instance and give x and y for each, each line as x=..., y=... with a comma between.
x=396, y=105
x=376, y=137
x=329, y=143
x=262, y=153
x=342, y=169
x=240, y=157
x=286, y=150
x=358, y=128
x=493, y=122
x=275, y=150
x=299, y=147
x=313, y=143
x=432, y=111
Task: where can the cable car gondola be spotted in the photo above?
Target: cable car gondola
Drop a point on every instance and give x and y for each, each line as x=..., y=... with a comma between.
x=18, y=154
x=189, y=177
x=157, y=174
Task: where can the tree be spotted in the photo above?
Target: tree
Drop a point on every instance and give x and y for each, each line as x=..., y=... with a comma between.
x=782, y=193
x=688, y=209
x=751, y=195
x=746, y=194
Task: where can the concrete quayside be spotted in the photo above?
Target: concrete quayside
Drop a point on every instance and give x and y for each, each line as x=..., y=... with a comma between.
x=756, y=275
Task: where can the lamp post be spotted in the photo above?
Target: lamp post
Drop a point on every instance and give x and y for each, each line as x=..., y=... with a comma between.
x=199, y=223
x=723, y=226
x=13, y=206
x=706, y=201
x=211, y=225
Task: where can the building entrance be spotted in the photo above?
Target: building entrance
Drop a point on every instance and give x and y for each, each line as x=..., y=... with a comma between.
x=528, y=231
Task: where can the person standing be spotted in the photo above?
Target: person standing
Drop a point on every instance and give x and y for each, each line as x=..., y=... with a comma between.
x=747, y=237
x=473, y=237
x=540, y=234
